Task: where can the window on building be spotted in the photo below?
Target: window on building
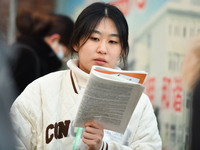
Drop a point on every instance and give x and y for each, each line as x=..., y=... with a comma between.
x=174, y=61
x=184, y=32
x=170, y=62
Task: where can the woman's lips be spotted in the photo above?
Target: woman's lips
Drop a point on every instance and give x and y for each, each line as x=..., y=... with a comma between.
x=100, y=61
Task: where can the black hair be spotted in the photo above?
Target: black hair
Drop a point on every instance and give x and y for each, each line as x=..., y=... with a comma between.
x=63, y=25
x=38, y=24
x=89, y=19
x=32, y=24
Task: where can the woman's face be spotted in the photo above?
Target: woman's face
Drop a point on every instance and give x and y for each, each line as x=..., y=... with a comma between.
x=103, y=47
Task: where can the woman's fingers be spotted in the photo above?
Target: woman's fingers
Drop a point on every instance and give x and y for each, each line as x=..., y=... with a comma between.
x=93, y=135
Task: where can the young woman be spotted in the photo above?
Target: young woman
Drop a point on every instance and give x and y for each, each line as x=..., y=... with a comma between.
x=43, y=114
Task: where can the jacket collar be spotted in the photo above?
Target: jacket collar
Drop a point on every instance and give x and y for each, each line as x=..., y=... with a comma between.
x=78, y=75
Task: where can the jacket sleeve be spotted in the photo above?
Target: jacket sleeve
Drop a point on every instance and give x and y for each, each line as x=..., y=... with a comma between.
x=146, y=135
x=23, y=114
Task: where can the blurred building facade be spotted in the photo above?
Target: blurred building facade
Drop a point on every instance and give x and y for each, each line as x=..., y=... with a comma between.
x=159, y=48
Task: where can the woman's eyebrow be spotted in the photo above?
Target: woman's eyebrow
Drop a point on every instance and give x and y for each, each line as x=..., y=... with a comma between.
x=98, y=32
x=116, y=35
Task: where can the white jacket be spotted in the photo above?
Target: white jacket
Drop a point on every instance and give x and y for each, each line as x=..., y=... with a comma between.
x=43, y=114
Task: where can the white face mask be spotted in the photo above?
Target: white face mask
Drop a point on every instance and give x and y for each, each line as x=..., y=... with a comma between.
x=60, y=53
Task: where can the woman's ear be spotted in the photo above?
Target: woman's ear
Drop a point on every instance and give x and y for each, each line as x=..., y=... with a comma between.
x=53, y=42
x=55, y=37
x=52, y=38
x=75, y=47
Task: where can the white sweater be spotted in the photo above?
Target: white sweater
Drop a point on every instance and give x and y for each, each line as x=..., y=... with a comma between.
x=43, y=114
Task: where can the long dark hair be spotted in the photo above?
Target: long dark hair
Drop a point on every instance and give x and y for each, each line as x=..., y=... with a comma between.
x=89, y=19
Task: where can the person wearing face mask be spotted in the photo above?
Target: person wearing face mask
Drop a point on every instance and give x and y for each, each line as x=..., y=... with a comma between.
x=59, y=35
x=40, y=47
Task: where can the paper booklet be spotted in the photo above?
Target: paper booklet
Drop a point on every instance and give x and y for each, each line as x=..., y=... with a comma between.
x=110, y=97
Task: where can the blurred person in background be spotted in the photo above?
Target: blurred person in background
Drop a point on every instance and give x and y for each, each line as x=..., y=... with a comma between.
x=40, y=47
x=7, y=94
x=191, y=78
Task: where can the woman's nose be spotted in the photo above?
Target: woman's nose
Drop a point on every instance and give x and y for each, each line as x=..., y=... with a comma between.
x=102, y=48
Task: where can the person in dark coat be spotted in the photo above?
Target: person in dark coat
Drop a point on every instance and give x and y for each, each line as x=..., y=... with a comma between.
x=40, y=47
x=195, y=145
x=191, y=78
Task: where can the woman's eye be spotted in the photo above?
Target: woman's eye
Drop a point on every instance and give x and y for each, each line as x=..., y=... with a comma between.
x=113, y=42
x=94, y=38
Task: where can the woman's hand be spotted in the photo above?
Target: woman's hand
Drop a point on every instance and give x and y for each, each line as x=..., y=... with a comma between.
x=93, y=135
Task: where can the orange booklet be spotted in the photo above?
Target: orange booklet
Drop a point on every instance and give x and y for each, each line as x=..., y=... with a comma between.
x=135, y=76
